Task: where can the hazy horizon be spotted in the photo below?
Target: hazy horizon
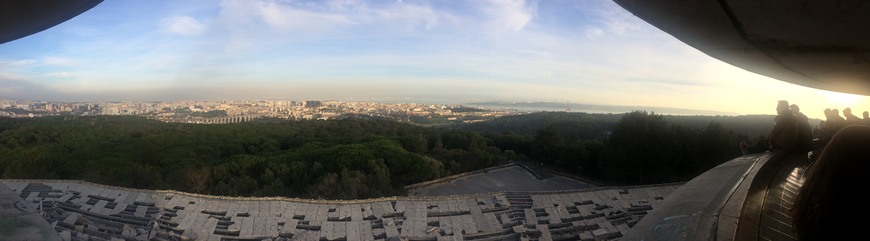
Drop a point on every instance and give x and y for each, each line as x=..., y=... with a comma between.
x=470, y=101
x=591, y=52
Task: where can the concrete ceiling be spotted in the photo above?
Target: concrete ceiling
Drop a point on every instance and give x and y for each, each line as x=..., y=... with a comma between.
x=819, y=44
x=21, y=18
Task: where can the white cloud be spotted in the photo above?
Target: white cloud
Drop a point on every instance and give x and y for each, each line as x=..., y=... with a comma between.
x=277, y=15
x=246, y=25
x=287, y=17
x=314, y=18
x=612, y=19
x=510, y=14
x=183, y=25
x=61, y=75
x=18, y=62
x=411, y=15
x=594, y=32
x=343, y=4
x=13, y=69
x=53, y=60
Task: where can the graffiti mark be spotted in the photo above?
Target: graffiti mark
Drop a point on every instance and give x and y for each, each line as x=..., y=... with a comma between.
x=670, y=227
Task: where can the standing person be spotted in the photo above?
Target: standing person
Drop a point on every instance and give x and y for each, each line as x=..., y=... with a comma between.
x=785, y=129
x=836, y=121
x=828, y=127
x=833, y=188
x=866, y=117
x=851, y=118
x=804, y=130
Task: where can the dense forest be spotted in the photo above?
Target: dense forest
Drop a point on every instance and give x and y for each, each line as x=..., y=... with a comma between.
x=632, y=148
x=363, y=156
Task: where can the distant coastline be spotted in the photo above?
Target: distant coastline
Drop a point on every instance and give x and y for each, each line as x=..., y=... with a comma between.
x=587, y=108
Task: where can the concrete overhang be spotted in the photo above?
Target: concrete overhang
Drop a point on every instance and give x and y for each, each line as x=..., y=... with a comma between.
x=818, y=44
x=21, y=18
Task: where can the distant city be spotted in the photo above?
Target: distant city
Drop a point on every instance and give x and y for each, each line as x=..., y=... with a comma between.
x=224, y=112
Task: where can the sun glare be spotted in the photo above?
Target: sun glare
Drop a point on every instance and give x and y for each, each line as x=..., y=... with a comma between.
x=842, y=99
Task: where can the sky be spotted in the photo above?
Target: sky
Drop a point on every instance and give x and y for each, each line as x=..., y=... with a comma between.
x=581, y=51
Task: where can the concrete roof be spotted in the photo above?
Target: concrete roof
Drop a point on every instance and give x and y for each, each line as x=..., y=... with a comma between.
x=19, y=220
x=81, y=211
x=21, y=18
x=741, y=199
x=818, y=44
x=505, y=178
x=747, y=198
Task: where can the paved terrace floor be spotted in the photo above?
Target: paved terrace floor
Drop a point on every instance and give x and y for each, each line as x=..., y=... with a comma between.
x=744, y=199
x=510, y=178
x=86, y=211
x=20, y=220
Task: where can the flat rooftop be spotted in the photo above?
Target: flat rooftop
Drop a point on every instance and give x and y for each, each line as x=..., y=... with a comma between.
x=508, y=178
x=81, y=211
x=743, y=199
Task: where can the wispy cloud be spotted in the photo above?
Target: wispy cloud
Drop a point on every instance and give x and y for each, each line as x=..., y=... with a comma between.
x=60, y=61
x=288, y=18
x=510, y=14
x=61, y=74
x=183, y=25
x=15, y=87
x=19, y=62
x=280, y=16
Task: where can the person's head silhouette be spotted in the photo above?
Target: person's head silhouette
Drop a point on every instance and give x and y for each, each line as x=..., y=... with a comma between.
x=795, y=109
x=833, y=186
x=782, y=107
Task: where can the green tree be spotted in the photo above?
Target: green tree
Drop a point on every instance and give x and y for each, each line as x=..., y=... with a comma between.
x=640, y=149
x=548, y=146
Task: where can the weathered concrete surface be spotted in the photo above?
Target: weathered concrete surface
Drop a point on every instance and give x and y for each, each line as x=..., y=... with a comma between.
x=512, y=178
x=747, y=198
x=693, y=210
x=84, y=210
x=20, y=220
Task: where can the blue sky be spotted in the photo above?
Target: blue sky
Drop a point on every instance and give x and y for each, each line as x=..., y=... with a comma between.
x=583, y=51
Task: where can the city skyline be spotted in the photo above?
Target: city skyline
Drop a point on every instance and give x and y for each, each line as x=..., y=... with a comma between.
x=590, y=52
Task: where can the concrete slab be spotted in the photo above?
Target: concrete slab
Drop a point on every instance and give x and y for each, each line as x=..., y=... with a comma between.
x=22, y=219
x=461, y=214
x=511, y=178
x=693, y=209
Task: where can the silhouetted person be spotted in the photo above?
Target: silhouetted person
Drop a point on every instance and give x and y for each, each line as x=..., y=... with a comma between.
x=851, y=118
x=820, y=130
x=833, y=189
x=827, y=126
x=804, y=130
x=866, y=118
x=761, y=146
x=785, y=129
x=836, y=121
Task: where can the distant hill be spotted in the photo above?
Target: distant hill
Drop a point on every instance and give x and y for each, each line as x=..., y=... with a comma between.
x=597, y=125
x=587, y=126
x=587, y=108
x=747, y=125
x=660, y=148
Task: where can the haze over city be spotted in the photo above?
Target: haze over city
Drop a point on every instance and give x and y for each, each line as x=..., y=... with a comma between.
x=591, y=52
